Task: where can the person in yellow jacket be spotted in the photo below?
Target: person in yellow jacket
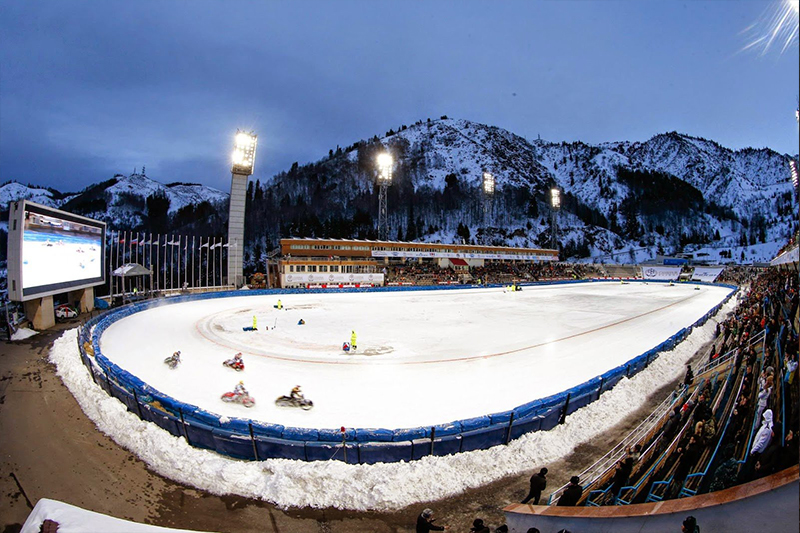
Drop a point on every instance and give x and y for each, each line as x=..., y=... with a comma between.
x=255, y=322
x=279, y=306
x=353, y=340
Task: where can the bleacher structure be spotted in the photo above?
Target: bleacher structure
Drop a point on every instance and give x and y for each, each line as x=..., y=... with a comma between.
x=652, y=477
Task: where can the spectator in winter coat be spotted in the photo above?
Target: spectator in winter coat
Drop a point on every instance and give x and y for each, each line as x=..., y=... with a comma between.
x=425, y=523
x=726, y=473
x=689, y=377
x=764, y=435
x=686, y=461
x=764, y=396
x=571, y=494
x=621, y=475
x=538, y=484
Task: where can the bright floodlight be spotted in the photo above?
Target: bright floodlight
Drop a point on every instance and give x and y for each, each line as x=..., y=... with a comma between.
x=244, y=153
x=793, y=166
x=488, y=183
x=555, y=198
x=385, y=167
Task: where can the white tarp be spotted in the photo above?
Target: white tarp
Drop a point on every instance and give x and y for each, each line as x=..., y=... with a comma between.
x=131, y=269
x=376, y=278
x=76, y=520
x=661, y=272
x=462, y=255
x=707, y=274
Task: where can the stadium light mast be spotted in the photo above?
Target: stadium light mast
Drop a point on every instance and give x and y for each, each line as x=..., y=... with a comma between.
x=385, y=163
x=555, y=204
x=243, y=160
x=488, y=195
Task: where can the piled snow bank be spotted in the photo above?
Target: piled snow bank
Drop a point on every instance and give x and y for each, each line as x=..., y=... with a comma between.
x=380, y=487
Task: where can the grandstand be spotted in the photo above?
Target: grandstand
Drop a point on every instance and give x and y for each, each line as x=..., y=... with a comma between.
x=708, y=435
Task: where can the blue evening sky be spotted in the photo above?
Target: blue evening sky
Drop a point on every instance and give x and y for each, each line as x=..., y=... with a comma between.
x=89, y=89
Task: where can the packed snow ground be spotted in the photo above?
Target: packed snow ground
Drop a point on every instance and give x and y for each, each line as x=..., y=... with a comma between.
x=422, y=356
x=380, y=487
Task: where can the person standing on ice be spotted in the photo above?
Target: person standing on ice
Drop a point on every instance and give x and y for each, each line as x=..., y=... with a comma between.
x=255, y=322
x=353, y=340
x=279, y=305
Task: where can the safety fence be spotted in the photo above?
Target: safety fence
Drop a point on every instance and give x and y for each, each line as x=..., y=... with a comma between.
x=256, y=440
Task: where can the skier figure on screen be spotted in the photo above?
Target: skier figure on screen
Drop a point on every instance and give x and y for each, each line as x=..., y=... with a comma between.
x=353, y=340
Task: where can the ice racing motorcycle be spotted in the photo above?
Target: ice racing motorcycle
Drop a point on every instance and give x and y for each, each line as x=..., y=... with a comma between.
x=236, y=365
x=288, y=401
x=244, y=399
x=172, y=361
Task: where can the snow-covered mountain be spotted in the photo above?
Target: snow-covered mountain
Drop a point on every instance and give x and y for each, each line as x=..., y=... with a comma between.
x=621, y=201
x=627, y=200
x=130, y=202
x=13, y=191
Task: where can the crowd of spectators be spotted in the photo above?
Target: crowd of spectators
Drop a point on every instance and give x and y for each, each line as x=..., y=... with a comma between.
x=497, y=272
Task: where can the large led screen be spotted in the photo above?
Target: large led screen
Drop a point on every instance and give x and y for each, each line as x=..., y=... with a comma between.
x=57, y=251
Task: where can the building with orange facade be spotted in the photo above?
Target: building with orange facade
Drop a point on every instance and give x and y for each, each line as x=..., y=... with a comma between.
x=334, y=262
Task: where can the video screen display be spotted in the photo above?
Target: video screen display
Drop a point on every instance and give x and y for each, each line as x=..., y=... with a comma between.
x=59, y=251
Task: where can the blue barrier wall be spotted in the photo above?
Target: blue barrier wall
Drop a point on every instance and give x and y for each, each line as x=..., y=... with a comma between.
x=255, y=440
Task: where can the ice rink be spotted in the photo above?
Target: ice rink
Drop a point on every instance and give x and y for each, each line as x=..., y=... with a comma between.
x=423, y=358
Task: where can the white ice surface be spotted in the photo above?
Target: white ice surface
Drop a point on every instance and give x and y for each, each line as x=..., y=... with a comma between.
x=424, y=357
x=380, y=487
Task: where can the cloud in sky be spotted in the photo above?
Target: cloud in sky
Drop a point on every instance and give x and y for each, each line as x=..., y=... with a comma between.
x=88, y=89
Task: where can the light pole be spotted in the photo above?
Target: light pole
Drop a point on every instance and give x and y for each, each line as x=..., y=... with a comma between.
x=244, y=157
x=384, y=180
x=555, y=204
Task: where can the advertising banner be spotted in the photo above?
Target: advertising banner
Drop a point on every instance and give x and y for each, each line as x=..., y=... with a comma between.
x=707, y=274
x=335, y=278
x=461, y=255
x=661, y=272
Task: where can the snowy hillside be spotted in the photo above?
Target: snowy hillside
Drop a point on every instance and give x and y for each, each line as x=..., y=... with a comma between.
x=621, y=201
x=132, y=201
x=13, y=191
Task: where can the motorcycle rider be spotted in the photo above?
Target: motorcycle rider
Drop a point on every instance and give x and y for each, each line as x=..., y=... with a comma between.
x=296, y=393
x=174, y=359
x=239, y=390
x=235, y=361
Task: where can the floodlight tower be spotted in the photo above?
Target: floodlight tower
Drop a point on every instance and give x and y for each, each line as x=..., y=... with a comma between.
x=384, y=180
x=488, y=196
x=244, y=157
x=555, y=204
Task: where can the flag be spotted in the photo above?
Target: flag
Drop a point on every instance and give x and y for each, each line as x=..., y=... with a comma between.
x=204, y=245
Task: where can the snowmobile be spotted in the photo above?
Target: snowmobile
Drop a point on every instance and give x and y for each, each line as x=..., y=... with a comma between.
x=288, y=401
x=244, y=399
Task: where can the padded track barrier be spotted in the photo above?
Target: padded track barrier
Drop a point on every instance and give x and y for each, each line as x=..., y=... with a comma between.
x=255, y=440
